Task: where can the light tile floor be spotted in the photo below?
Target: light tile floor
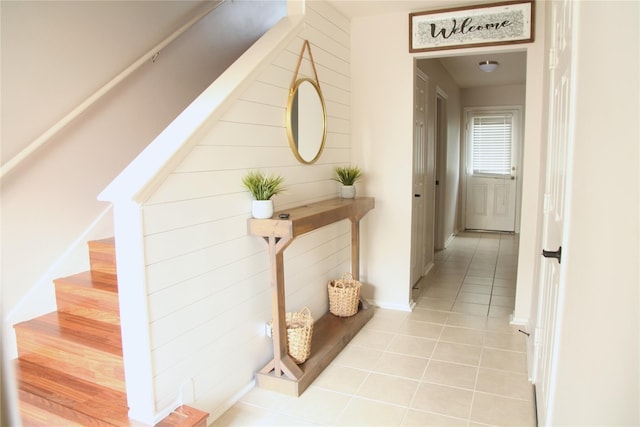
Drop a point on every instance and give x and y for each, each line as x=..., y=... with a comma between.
x=453, y=361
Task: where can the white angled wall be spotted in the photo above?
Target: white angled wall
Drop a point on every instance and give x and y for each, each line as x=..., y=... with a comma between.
x=207, y=280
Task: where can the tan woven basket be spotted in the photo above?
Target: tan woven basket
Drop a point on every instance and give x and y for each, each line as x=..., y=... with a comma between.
x=299, y=334
x=344, y=296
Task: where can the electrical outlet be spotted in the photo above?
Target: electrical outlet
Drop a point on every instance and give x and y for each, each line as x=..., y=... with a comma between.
x=267, y=330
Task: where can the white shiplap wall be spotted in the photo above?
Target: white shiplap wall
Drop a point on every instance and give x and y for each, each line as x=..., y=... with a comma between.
x=207, y=280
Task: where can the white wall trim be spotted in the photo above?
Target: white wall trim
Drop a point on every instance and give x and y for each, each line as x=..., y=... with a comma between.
x=393, y=306
x=220, y=410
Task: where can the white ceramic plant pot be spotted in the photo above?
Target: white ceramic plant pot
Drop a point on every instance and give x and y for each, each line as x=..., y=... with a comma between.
x=348, y=191
x=262, y=209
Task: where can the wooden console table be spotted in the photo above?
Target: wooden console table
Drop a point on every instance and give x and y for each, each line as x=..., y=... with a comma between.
x=331, y=333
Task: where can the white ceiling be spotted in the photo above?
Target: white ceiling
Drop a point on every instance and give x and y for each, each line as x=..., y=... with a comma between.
x=463, y=69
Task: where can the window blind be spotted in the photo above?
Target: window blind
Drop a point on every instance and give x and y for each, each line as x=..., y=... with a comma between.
x=491, y=141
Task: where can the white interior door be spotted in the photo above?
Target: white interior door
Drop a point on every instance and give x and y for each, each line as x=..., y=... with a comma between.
x=491, y=171
x=418, y=187
x=440, y=168
x=559, y=142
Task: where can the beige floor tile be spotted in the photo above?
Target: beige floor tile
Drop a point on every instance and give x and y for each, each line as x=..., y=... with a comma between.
x=358, y=357
x=502, y=411
x=504, y=359
x=392, y=316
x=342, y=379
x=242, y=414
x=426, y=419
x=401, y=365
x=476, y=289
x=481, y=271
x=439, y=304
x=500, y=312
x=265, y=398
x=505, y=341
x=412, y=346
x=441, y=292
x=478, y=280
x=457, y=353
x=451, y=374
x=504, y=383
x=468, y=308
x=373, y=339
x=467, y=320
x=431, y=316
x=506, y=292
x=380, y=323
x=502, y=324
x=317, y=405
x=443, y=400
x=420, y=329
x=388, y=389
x=462, y=335
x=503, y=301
x=473, y=298
x=364, y=412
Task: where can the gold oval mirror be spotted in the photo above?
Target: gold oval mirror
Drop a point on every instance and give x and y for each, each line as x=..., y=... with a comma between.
x=306, y=120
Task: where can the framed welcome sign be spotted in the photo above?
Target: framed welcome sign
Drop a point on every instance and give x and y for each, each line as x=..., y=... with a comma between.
x=485, y=25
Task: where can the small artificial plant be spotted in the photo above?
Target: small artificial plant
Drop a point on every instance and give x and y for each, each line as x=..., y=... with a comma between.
x=263, y=186
x=347, y=175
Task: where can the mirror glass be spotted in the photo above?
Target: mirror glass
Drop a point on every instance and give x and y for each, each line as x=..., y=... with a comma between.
x=306, y=120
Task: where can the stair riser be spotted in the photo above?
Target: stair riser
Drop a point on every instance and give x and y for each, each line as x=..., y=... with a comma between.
x=102, y=256
x=39, y=412
x=74, y=359
x=88, y=302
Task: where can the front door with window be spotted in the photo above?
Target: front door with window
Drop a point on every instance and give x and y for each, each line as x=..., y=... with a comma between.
x=491, y=179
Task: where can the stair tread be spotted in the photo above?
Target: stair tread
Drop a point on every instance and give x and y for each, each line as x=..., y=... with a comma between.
x=107, y=241
x=96, y=280
x=185, y=416
x=92, y=333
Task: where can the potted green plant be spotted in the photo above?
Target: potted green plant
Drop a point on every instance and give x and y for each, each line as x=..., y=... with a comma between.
x=347, y=176
x=262, y=187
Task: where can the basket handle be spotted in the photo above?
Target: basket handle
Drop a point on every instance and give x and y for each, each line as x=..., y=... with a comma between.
x=305, y=310
x=347, y=276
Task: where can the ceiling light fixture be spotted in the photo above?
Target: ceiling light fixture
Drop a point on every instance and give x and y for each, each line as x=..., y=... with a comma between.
x=488, y=66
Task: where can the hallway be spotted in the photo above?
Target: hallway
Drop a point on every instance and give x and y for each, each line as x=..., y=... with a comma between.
x=453, y=361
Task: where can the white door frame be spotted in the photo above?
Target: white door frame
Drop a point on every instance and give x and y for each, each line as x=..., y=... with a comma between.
x=518, y=147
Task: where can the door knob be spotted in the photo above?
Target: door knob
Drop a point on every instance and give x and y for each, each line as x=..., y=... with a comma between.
x=553, y=254
x=417, y=195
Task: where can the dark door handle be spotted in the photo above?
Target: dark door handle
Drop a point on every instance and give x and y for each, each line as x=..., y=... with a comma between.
x=417, y=195
x=553, y=254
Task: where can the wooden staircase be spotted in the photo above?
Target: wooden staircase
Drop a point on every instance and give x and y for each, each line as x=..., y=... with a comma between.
x=70, y=369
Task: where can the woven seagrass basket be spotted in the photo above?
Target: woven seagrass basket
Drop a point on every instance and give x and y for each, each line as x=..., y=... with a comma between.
x=344, y=296
x=299, y=334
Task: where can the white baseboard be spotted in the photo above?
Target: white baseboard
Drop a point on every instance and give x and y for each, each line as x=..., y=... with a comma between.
x=393, y=306
x=226, y=405
x=519, y=321
x=449, y=240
